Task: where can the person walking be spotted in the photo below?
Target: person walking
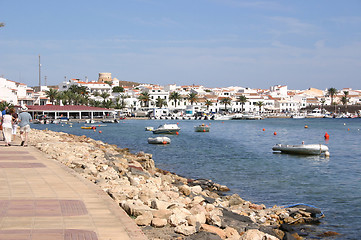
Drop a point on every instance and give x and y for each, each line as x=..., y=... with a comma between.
x=15, y=122
x=7, y=127
x=24, y=123
x=1, y=126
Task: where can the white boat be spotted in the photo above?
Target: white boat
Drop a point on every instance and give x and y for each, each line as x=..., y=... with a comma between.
x=221, y=117
x=109, y=121
x=315, y=113
x=202, y=128
x=167, y=129
x=298, y=116
x=159, y=140
x=251, y=117
x=149, y=128
x=302, y=149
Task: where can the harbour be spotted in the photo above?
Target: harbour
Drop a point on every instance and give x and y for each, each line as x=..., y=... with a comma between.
x=239, y=155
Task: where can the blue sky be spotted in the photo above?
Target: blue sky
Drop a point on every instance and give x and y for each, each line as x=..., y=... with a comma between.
x=215, y=43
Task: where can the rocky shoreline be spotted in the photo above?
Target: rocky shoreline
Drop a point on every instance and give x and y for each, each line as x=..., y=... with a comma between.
x=168, y=206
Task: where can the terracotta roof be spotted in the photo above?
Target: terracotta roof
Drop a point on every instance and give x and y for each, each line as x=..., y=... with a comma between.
x=65, y=108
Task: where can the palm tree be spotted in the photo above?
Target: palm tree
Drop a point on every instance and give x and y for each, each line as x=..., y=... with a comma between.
x=322, y=101
x=107, y=104
x=160, y=102
x=208, y=103
x=2, y=24
x=104, y=95
x=51, y=94
x=344, y=98
x=144, y=98
x=175, y=96
x=332, y=92
x=192, y=97
x=226, y=101
x=242, y=99
x=259, y=104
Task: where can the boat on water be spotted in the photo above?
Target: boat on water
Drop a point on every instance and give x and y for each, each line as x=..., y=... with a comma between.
x=302, y=149
x=221, y=117
x=316, y=113
x=149, y=129
x=251, y=117
x=202, y=128
x=109, y=121
x=159, y=140
x=88, y=127
x=167, y=129
x=298, y=116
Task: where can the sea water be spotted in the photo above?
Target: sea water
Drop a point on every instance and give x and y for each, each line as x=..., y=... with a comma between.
x=239, y=154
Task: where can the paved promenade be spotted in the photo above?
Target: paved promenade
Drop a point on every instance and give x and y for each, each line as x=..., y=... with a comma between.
x=41, y=199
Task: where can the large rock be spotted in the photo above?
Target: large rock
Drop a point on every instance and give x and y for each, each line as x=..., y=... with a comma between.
x=185, y=230
x=185, y=189
x=254, y=234
x=213, y=229
x=134, y=208
x=159, y=222
x=145, y=219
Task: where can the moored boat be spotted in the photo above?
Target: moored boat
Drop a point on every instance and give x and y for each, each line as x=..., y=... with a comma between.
x=202, y=128
x=159, y=140
x=302, y=149
x=167, y=129
x=88, y=127
x=149, y=128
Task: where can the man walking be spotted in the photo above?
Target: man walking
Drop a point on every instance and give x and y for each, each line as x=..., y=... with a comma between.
x=24, y=123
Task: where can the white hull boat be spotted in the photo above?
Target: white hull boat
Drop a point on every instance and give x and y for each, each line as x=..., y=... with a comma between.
x=302, y=149
x=167, y=129
x=159, y=140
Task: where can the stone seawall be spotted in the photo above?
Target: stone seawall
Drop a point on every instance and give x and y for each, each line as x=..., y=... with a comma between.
x=165, y=205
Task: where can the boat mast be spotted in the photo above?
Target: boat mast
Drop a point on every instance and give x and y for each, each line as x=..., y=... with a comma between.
x=39, y=72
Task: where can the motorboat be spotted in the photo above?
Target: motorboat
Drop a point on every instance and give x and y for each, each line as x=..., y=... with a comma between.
x=109, y=121
x=251, y=117
x=88, y=127
x=302, y=149
x=202, y=128
x=221, y=117
x=149, y=128
x=316, y=113
x=298, y=116
x=159, y=140
x=167, y=129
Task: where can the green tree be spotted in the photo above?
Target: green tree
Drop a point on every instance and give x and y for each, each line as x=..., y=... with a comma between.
x=104, y=95
x=108, y=82
x=208, y=103
x=5, y=104
x=107, y=103
x=175, y=96
x=144, y=98
x=322, y=101
x=160, y=102
x=51, y=94
x=226, y=101
x=332, y=92
x=192, y=97
x=259, y=104
x=2, y=24
x=118, y=89
x=344, y=98
x=242, y=99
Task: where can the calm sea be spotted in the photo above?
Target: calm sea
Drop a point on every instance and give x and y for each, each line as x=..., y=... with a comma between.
x=239, y=154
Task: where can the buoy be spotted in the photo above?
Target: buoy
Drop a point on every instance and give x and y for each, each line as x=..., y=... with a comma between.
x=275, y=133
x=204, y=130
x=348, y=129
x=164, y=142
x=100, y=131
x=344, y=124
x=94, y=130
x=327, y=136
x=263, y=129
x=306, y=126
x=327, y=154
x=177, y=133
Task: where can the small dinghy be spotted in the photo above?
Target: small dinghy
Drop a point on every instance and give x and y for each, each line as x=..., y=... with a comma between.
x=159, y=140
x=149, y=128
x=302, y=149
x=202, y=128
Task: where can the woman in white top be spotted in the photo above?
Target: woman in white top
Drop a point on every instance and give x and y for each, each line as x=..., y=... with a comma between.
x=7, y=127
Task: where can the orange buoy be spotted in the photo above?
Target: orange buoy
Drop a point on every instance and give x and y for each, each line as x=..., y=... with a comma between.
x=164, y=142
x=204, y=130
x=306, y=126
x=100, y=131
x=177, y=133
x=327, y=136
x=348, y=129
x=263, y=129
x=275, y=133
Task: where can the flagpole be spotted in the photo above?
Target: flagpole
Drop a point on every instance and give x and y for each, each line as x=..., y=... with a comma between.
x=39, y=72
